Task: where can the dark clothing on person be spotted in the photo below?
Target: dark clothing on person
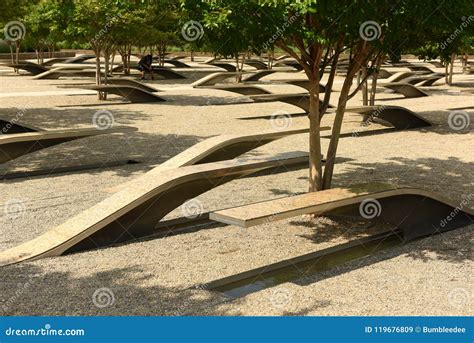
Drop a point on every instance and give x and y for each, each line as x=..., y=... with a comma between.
x=145, y=63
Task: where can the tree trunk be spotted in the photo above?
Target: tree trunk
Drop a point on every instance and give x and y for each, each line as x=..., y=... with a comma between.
x=192, y=55
x=336, y=131
x=375, y=78
x=17, y=46
x=329, y=84
x=98, y=80
x=315, y=165
x=446, y=72
x=453, y=59
x=365, y=88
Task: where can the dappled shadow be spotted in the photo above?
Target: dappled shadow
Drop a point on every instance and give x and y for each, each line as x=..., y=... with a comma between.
x=31, y=289
x=452, y=246
x=147, y=148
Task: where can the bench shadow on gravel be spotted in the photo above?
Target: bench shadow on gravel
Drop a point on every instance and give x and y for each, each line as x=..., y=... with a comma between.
x=30, y=289
x=147, y=148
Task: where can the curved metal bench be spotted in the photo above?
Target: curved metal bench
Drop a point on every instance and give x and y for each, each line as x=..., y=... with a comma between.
x=56, y=73
x=131, y=93
x=177, y=63
x=259, y=65
x=241, y=89
x=300, y=100
x=212, y=79
x=259, y=74
x=224, y=65
x=32, y=68
x=134, y=211
x=406, y=89
x=416, y=212
x=400, y=118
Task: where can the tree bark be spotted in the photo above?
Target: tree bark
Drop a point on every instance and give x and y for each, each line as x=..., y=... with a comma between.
x=375, y=78
x=329, y=84
x=315, y=165
x=98, y=79
x=365, y=88
x=451, y=66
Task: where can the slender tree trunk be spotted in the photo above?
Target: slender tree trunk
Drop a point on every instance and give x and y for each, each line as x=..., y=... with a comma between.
x=446, y=72
x=98, y=79
x=315, y=164
x=237, y=77
x=365, y=88
x=336, y=131
x=453, y=59
x=11, y=52
x=375, y=78
x=17, y=46
x=192, y=55
x=329, y=84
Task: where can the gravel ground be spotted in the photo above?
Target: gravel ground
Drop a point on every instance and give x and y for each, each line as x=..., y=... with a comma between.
x=158, y=276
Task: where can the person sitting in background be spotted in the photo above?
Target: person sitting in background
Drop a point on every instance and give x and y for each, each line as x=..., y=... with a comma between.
x=145, y=65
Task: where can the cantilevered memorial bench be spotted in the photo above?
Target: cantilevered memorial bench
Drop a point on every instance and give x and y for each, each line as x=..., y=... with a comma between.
x=167, y=73
x=417, y=213
x=225, y=147
x=259, y=65
x=300, y=100
x=58, y=72
x=178, y=64
x=16, y=143
x=140, y=205
x=395, y=117
x=32, y=68
x=289, y=63
x=150, y=197
x=298, y=83
x=131, y=93
x=400, y=118
x=426, y=80
x=224, y=65
x=80, y=58
x=212, y=79
x=240, y=89
x=401, y=76
x=406, y=89
x=122, y=81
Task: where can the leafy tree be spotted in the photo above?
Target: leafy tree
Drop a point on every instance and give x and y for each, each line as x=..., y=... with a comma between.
x=319, y=33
